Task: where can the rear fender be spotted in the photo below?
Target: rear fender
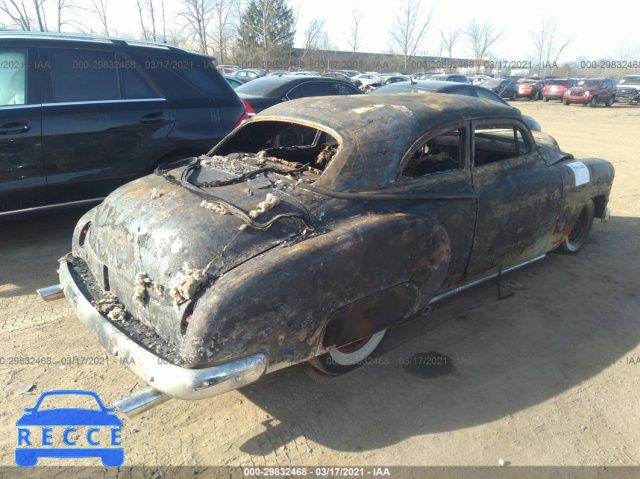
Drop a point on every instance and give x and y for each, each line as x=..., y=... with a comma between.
x=281, y=302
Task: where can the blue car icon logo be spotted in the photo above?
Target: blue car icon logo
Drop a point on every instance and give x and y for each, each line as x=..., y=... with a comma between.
x=57, y=432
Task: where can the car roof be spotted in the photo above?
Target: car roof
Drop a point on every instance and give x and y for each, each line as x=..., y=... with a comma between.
x=44, y=37
x=377, y=130
x=275, y=86
x=423, y=85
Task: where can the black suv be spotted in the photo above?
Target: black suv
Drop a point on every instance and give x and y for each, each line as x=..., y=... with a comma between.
x=80, y=115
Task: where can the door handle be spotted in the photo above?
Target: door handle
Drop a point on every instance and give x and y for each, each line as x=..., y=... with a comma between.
x=153, y=118
x=15, y=127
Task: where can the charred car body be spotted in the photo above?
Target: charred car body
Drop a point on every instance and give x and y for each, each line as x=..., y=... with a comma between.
x=210, y=273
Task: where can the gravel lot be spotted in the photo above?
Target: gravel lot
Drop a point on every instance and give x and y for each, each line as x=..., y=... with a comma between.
x=547, y=377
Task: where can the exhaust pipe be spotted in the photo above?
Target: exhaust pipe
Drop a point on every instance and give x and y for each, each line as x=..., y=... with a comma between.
x=141, y=401
x=51, y=293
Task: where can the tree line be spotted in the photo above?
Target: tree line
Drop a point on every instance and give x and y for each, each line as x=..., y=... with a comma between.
x=261, y=32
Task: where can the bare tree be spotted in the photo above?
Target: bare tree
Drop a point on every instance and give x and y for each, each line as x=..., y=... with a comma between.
x=40, y=15
x=480, y=37
x=62, y=8
x=164, y=21
x=408, y=32
x=353, y=40
x=141, y=7
x=224, y=25
x=17, y=12
x=198, y=15
x=628, y=50
x=314, y=34
x=99, y=9
x=548, y=45
x=147, y=13
x=449, y=40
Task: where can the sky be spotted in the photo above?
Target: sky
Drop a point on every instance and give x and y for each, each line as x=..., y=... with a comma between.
x=595, y=35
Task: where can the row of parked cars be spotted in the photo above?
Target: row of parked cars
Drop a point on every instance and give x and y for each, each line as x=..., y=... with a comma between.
x=585, y=91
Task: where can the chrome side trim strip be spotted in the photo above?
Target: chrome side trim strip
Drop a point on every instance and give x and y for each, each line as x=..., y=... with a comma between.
x=102, y=102
x=52, y=207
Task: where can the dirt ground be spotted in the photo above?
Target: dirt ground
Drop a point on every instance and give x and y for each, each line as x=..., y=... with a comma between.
x=547, y=377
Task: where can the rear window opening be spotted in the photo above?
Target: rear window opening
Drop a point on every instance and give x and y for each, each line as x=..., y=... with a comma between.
x=283, y=142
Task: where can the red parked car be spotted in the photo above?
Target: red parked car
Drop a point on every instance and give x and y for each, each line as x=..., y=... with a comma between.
x=591, y=91
x=530, y=88
x=554, y=88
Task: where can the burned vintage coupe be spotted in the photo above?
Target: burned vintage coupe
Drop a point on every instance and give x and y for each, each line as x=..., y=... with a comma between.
x=221, y=268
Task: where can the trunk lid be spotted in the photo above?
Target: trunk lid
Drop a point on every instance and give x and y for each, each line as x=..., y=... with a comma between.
x=149, y=236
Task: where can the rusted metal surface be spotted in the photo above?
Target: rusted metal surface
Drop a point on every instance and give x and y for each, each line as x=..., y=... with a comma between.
x=289, y=251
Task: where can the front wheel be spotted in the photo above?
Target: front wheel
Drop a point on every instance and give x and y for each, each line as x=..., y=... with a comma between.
x=576, y=238
x=594, y=102
x=349, y=357
x=566, y=102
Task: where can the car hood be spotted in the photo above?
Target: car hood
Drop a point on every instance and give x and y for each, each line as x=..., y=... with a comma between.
x=156, y=245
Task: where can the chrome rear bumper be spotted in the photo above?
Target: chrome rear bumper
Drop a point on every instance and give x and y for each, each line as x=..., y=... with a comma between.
x=162, y=377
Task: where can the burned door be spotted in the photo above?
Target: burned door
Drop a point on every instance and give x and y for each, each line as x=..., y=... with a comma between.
x=519, y=197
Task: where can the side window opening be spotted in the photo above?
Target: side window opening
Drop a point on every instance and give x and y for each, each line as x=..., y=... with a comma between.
x=84, y=75
x=498, y=144
x=134, y=87
x=13, y=77
x=438, y=154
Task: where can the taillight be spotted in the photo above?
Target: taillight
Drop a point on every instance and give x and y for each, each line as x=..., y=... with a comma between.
x=250, y=111
x=242, y=119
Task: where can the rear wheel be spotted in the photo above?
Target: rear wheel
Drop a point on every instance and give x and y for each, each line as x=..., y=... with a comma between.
x=349, y=357
x=609, y=102
x=576, y=238
x=514, y=96
x=546, y=98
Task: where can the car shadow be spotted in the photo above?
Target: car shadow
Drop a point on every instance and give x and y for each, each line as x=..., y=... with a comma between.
x=570, y=318
x=30, y=249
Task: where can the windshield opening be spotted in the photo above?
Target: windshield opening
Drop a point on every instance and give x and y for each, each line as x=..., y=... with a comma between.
x=556, y=82
x=589, y=83
x=630, y=81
